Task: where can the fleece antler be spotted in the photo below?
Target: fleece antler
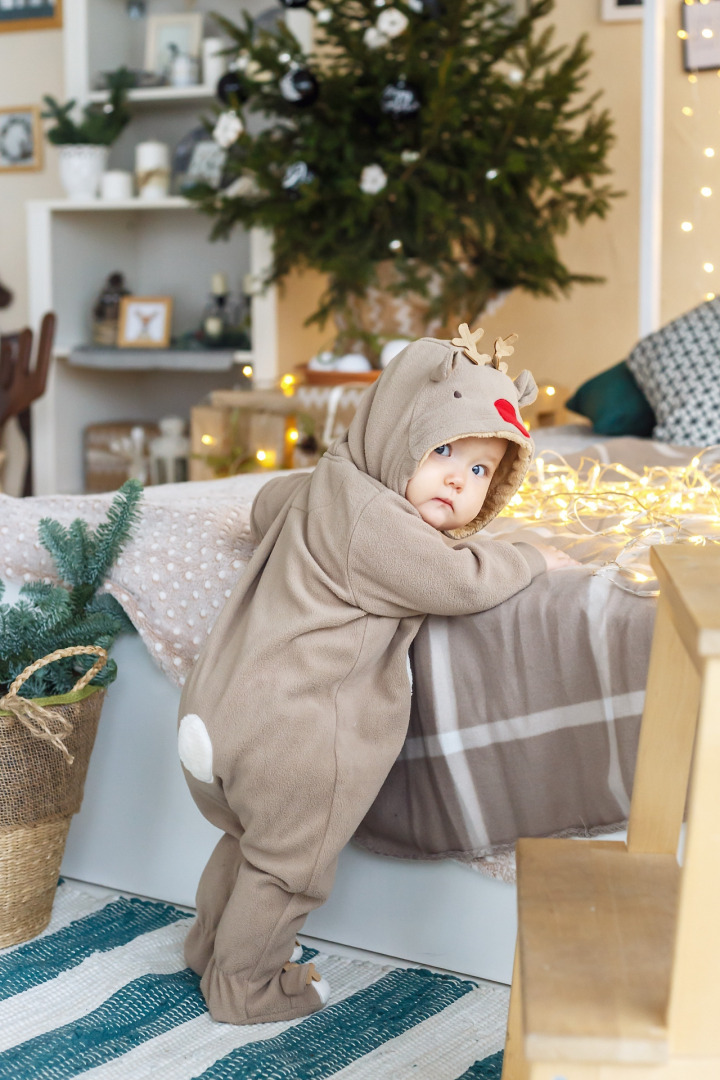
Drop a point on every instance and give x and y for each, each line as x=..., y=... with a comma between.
x=503, y=347
x=466, y=341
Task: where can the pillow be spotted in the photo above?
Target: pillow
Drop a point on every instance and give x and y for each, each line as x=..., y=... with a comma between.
x=678, y=370
x=614, y=402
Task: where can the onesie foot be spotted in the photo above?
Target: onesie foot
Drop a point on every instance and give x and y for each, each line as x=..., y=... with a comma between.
x=297, y=990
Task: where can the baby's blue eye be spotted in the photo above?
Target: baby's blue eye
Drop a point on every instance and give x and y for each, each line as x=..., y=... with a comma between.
x=443, y=450
x=479, y=470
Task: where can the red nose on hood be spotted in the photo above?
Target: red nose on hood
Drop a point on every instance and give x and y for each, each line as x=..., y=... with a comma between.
x=507, y=412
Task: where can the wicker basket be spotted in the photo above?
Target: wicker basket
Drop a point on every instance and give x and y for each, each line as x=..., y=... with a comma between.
x=45, y=746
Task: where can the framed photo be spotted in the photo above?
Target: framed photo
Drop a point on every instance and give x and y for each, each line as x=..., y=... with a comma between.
x=621, y=10
x=144, y=322
x=30, y=15
x=169, y=36
x=701, y=47
x=20, y=139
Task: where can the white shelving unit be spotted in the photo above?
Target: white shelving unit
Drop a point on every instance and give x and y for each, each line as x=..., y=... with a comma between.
x=161, y=247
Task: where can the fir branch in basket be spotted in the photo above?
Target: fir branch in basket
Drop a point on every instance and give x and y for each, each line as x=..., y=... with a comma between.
x=49, y=617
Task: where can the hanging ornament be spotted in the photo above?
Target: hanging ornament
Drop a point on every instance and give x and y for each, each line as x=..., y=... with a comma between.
x=399, y=100
x=296, y=175
x=373, y=179
x=299, y=86
x=374, y=39
x=228, y=129
x=232, y=88
x=429, y=9
x=392, y=22
x=294, y=3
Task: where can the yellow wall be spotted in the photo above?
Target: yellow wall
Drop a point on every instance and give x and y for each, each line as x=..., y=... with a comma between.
x=30, y=66
x=565, y=340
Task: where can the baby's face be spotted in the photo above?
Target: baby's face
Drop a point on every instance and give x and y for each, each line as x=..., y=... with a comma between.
x=449, y=488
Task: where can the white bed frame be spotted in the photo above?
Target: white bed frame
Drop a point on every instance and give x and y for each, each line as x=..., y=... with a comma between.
x=139, y=831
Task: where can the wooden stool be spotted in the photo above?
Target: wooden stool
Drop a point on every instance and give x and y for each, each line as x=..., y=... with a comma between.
x=617, y=969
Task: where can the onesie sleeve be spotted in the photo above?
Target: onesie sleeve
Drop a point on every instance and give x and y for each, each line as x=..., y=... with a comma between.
x=270, y=500
x=398, y=566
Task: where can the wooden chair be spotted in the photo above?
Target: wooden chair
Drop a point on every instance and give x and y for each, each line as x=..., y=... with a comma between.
x=22, y=382
x=617, y=969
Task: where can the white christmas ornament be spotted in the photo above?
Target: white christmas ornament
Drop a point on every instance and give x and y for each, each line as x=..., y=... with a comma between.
x=228, y=129
x=374, y=39
x=372, y=179
x=244, y=187
x=391, y=349
x=392, y=22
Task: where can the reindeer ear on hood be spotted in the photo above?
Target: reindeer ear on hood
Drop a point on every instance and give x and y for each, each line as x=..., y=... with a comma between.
x=526, y=388
x=445, y=368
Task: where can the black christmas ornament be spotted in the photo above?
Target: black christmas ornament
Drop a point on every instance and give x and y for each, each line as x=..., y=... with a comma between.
x=294, y=3
x=296, y=175
x=232, y=88
x=429, y=9
x=299, y=86
x=399, y=100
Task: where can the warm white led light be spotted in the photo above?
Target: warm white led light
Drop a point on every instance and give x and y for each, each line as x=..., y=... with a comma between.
x=707, y=32
x=686, y=226
x=687, y=111
x=682, y=34
x=709, y=152
x=708, y=267
x=706, y=191
x=709, y=295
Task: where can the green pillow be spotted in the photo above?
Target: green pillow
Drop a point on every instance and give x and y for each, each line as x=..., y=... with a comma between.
x=615, y=403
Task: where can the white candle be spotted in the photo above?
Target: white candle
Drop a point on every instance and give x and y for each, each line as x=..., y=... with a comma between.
x=152, y=169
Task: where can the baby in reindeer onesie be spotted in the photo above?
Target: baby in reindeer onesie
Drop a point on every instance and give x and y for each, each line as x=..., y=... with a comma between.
x=299, y=702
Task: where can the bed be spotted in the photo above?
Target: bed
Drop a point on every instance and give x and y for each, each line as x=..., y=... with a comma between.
x=525, y=721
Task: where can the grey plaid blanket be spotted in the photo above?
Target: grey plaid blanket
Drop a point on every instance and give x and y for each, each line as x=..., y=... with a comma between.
x=525, y=718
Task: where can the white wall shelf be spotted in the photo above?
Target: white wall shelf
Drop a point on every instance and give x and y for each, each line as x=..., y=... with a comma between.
x=161, y=95
x=162, y=248
x=207, y=360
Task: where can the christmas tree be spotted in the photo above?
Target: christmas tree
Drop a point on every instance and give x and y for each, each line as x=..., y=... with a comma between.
x=50, y=617
x=449, y=136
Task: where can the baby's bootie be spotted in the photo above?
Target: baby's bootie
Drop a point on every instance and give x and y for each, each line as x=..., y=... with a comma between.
x=312, y=979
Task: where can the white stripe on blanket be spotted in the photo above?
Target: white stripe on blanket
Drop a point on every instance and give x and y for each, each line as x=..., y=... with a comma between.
x=446, y=716
x=539, y=723
x=599, y=643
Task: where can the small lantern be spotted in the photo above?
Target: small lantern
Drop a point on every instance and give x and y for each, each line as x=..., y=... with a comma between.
x=170, y=452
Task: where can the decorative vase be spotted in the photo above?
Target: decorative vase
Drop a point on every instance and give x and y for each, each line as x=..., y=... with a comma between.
x=81, y=167
x=382, y=314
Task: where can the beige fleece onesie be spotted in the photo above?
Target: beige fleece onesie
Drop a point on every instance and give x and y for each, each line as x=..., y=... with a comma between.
x=299, y=703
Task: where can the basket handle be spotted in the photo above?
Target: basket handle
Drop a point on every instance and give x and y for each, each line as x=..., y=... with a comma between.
x=37, y=718
x=59, y=654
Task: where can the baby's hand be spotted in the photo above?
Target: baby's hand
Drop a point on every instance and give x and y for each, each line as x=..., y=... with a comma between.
x=554, y=558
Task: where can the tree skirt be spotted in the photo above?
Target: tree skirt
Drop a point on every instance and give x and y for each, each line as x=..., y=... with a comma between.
x=104, y=992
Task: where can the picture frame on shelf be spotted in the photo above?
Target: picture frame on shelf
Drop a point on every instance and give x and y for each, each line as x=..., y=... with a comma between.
x=20, y=15
x=701, y=47
x=21, y=142
x=144, y=322
x=169, y=36
x=621, y=10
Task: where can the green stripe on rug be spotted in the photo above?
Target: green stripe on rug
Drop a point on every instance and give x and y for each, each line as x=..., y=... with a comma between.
x=119, y=922
x=329, y=1040
x=314, y=1049
x=490, y=1068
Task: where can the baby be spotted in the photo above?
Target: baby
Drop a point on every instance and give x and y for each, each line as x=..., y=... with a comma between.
x=299, y=702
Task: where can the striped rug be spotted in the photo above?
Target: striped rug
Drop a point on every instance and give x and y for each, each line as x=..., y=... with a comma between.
x=104, y=993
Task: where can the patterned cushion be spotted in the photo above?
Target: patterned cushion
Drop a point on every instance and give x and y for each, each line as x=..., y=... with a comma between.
x=678, y=370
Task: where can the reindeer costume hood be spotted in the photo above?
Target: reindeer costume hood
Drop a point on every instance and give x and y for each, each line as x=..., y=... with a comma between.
x=299, y=702
x=435, y=392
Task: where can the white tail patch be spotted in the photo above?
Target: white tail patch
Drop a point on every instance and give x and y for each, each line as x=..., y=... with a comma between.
x=195, y=748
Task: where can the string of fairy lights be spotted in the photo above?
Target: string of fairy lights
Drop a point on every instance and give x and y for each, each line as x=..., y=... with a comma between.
x=704, y=190
x=632, y=511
